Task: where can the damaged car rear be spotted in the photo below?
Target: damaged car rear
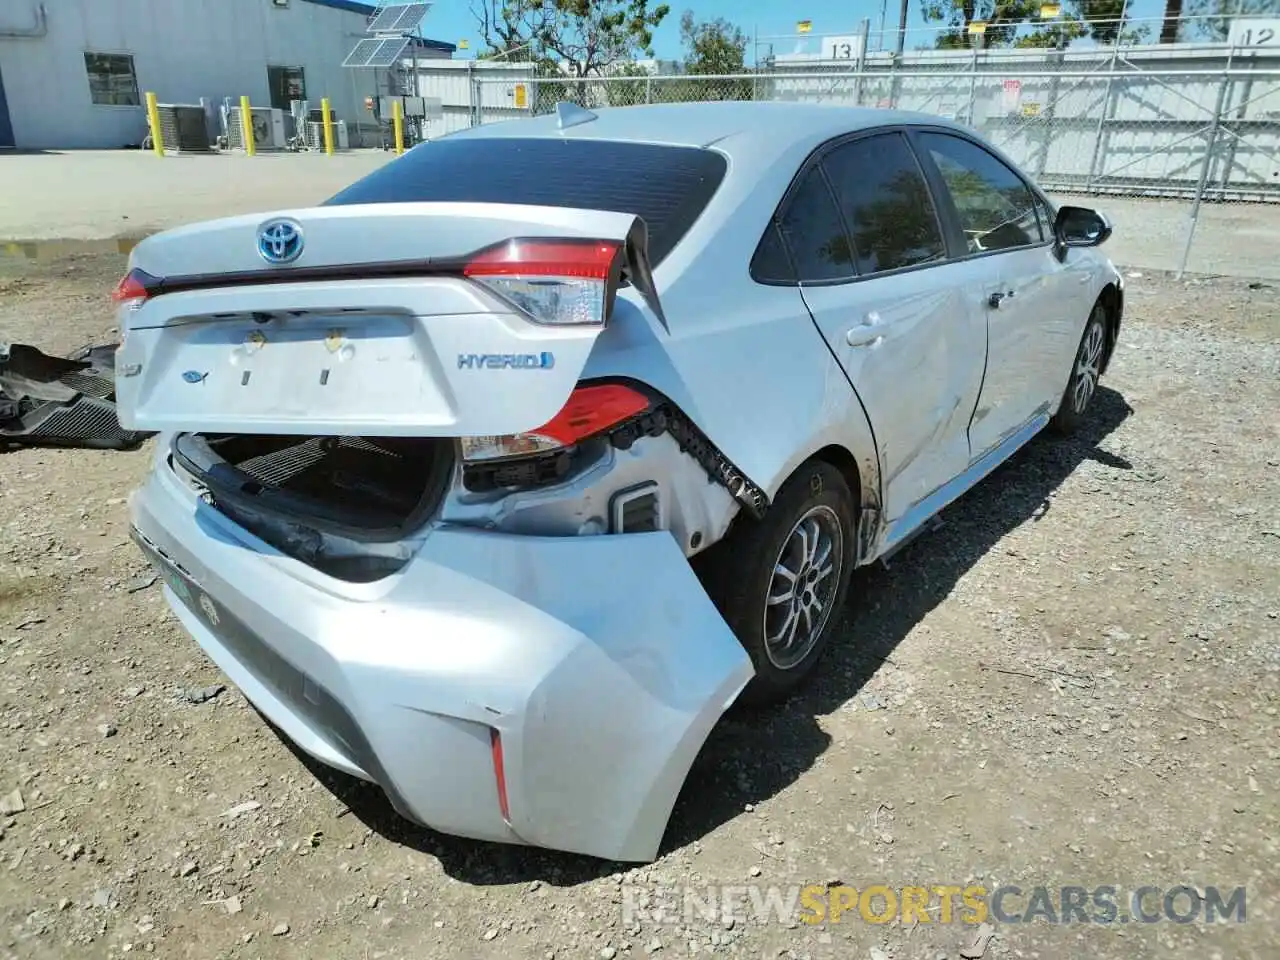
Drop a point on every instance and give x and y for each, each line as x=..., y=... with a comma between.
x=439, y=457
x=394, y=507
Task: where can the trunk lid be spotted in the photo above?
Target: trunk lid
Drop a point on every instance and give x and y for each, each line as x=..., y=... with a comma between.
x=363, y=325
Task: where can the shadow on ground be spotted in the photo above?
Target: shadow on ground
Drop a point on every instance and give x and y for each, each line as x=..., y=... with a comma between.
x=732, y=770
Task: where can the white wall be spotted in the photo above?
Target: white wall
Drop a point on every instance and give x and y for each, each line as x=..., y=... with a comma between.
x=450, y=82
x=182, y=49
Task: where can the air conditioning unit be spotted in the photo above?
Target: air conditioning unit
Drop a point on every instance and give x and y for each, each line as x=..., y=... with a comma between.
x=185, y=128
x=268, y=128
x=315, y=135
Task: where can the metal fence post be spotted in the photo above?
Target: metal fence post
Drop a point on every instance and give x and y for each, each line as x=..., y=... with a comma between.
x=755, y=61
x=471, y=94
x=861, y=63
x=1233, y=144
x=1055, y=86
x=1204, y=168
x=1106, y=105
x=973, y=87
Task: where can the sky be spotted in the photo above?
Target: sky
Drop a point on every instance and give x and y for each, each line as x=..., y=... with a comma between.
x=452, y=20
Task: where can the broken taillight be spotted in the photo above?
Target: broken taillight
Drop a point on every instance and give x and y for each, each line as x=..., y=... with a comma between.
x=499, y=773
x=556, y=282
x=135, y=288
x=589, y=411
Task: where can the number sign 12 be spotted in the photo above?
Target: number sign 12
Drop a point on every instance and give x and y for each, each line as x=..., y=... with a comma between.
x=1254, y=32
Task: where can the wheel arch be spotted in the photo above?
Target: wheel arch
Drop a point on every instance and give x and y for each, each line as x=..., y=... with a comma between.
x=844, y=461
x=1112, y=300
x=862, y=475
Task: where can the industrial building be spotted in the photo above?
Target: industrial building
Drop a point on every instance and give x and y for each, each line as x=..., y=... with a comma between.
x=74, y=73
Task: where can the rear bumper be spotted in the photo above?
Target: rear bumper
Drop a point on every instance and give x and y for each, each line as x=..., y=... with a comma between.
x=600, y=662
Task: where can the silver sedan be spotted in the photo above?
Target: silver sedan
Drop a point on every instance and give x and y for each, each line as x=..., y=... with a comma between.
x=498, y=477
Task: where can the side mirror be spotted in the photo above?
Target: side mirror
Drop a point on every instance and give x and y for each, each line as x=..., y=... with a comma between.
x=1079, y=227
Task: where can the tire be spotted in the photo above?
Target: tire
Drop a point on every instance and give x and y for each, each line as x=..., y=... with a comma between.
x=1086, y=368
x=814, y=507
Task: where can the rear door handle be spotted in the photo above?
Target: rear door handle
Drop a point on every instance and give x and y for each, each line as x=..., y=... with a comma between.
x=1000, y=296
x=864, y=334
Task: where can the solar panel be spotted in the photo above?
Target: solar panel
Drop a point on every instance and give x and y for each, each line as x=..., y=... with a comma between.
x=388, y=52
x=361, y=52
x=412, y=16
x=384, y=20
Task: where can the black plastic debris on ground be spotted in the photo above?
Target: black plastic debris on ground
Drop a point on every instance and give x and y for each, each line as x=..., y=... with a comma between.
x=61, y=401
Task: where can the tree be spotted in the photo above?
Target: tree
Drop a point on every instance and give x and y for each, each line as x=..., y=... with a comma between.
x=1054, y=34
x=587, y=36
x=1211, y=19
x=1107, y=21
x=712, y=46
x=1003, y=17
x=1101, y=20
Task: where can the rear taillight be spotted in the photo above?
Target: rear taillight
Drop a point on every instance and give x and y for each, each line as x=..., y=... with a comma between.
x=135, y=288
x=560, y=282
x=590, y=411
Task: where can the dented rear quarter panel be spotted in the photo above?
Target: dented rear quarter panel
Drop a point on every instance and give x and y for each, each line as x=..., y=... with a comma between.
x=743, y=360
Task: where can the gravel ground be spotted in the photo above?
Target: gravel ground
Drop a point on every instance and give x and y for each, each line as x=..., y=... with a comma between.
x=1072, y=681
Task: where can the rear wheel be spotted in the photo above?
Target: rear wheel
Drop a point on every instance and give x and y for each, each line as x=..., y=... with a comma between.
x=1085, y=371
x=780, y=583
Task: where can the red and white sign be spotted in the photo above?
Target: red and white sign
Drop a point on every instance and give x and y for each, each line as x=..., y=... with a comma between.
x=1012, y=97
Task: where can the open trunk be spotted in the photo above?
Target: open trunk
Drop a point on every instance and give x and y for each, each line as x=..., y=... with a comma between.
x=329, y=501
x=319, y=367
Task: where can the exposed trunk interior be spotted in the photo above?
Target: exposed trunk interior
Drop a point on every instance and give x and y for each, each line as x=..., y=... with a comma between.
x=317, y=498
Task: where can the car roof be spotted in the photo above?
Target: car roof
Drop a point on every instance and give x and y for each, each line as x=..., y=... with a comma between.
x=737, y=127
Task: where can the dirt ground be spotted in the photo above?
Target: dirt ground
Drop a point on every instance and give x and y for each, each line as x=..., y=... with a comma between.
x=1073, y=681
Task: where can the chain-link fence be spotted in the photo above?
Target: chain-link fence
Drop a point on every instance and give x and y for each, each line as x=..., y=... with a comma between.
x=1183, y=154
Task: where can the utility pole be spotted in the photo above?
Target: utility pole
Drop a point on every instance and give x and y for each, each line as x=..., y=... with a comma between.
x=902, y=28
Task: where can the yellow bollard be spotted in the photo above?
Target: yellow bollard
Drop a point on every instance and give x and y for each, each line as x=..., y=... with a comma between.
x=326, y=115
x=153, y=121
x=246, y=127
x=397, y=123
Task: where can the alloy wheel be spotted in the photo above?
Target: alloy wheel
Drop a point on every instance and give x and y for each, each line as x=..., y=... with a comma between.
x=802, y=589
x=1088, y=368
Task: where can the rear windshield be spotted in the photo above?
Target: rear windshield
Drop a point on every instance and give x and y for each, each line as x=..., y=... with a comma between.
x=667, y=186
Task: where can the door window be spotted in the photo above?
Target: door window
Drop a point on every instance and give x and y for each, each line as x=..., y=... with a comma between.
x=886, y=203
x=996, y=209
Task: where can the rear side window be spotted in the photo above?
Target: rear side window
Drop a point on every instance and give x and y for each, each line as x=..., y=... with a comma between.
x=886, y=203
x=808, y=227
x=667, y=186
x=771, y=262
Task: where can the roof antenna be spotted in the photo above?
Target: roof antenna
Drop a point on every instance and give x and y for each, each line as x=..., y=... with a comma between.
x=570, y=115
